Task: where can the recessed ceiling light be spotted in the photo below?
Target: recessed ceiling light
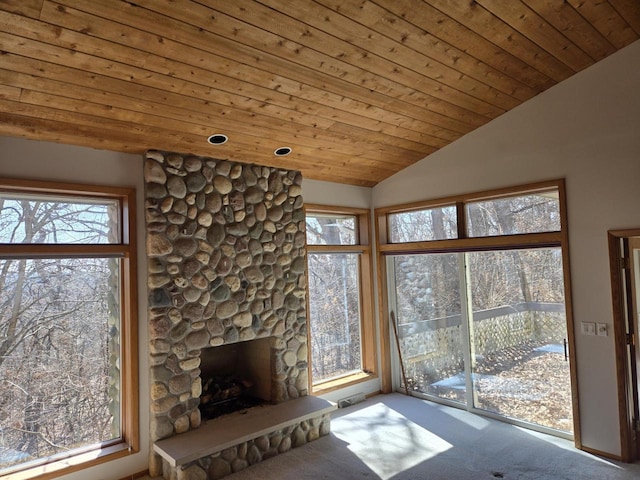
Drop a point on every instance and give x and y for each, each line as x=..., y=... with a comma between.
x=217, y=139
x=282, y=151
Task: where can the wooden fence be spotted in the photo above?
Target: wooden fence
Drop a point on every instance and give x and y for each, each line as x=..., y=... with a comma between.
x=437, y=344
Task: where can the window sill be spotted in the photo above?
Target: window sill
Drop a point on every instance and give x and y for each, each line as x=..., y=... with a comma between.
x=74, y=463
x=342, y=382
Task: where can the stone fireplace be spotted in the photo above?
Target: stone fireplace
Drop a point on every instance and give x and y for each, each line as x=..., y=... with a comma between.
x=226, y=270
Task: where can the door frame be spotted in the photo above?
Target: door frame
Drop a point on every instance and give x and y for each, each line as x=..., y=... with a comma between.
x=625, y=337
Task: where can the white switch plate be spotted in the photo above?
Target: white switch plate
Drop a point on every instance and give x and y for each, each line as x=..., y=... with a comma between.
x=588, y=328
x=602, y=330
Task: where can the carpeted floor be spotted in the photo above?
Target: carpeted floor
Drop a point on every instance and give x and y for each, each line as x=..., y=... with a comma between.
x=402, y=438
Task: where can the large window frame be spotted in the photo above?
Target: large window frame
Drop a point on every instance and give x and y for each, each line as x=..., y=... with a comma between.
x=124, y=249
x=466, y=243
x=362, y=248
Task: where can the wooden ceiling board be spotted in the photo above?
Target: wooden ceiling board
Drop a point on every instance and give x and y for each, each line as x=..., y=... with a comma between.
x=359, y=89
x=629, y=10
x=571, y=24
x=9, y=92
x=330, y=74
x=526, y=21
x=28, y=8
x=419, y=41
x=606, y=19
x=247, y=143
x=477, y=18
x=455, y=34
x=149, y=100
x=363, y=48
x=252, y=78
x=246, y=126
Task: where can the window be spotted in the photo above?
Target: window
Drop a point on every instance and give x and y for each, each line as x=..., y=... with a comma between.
x=340, y=298
x=531, y=213
x=436, y=223
x=68, y=344
x=483, y=316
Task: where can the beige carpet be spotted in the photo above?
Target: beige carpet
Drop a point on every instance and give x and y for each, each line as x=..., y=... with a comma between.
x=401, y=438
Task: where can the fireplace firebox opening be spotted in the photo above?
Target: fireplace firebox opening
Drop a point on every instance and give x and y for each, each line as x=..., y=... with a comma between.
x=235, y=377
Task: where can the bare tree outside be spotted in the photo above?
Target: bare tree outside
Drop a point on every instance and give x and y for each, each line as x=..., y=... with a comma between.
x=438, y=223
x=59, y=330
x=334, y=298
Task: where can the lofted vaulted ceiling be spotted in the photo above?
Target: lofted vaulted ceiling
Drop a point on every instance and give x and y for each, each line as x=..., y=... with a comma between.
x=358, y=89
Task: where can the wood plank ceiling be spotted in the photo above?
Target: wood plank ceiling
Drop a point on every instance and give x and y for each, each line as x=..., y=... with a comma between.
x=358, y=89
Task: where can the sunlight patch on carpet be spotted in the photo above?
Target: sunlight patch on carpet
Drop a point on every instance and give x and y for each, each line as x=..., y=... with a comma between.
x=403, y=445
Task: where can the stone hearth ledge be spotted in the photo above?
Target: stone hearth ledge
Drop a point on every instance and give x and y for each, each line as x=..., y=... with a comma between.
x=230, y=430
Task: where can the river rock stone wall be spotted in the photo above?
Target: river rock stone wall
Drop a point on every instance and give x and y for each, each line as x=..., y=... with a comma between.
x=226, y=263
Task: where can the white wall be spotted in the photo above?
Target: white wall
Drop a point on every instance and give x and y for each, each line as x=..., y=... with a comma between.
x=53, y=162
x=335, y=194
x=586, y=130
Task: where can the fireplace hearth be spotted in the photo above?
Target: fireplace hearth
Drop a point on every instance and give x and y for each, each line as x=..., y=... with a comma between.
x=234, y=442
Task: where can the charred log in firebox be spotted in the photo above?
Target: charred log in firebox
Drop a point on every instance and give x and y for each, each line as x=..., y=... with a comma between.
x=222, y=394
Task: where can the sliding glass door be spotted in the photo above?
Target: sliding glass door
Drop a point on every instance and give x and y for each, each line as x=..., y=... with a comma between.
x=518, y=337
x=487, y=331
x=430, y=327
x=480, y=287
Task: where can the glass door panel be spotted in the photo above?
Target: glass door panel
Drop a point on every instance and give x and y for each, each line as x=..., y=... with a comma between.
x=519, y=361
x=430, y=327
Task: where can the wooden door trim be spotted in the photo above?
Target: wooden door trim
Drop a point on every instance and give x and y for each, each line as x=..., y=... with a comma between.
x=627, y=440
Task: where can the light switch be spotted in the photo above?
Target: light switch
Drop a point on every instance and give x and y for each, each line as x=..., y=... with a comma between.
x=602, y=329
x=588, y=328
